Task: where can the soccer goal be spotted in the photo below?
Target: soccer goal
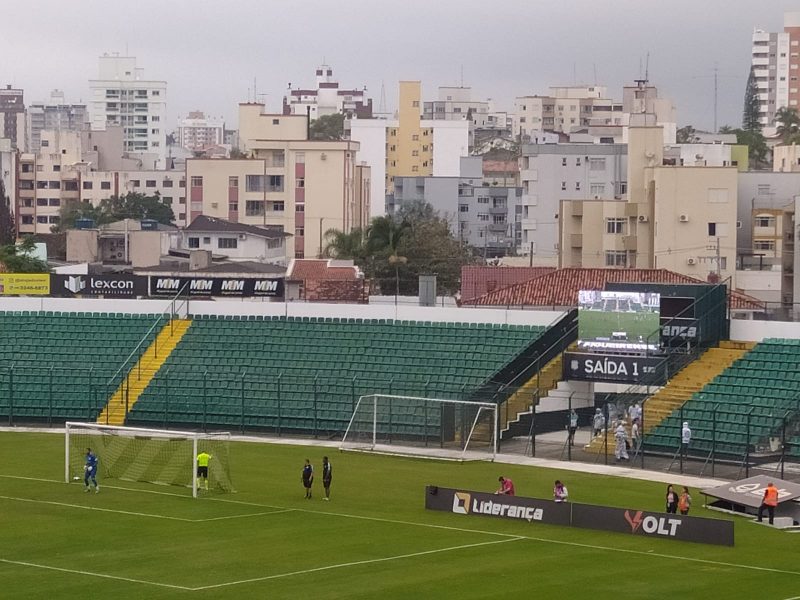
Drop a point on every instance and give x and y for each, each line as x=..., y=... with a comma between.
x=148, y=455
x=424, y=427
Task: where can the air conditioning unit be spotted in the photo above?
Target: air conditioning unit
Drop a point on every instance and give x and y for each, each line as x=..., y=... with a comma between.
x=684, y=218
x=691, y=261
x=242, y=236
x=643, y=219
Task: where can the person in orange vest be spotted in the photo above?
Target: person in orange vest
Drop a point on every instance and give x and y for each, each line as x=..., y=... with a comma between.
x=684, y=501
x=769, y=502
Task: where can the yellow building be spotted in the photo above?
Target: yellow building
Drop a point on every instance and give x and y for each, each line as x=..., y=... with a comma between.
x=409, y=145
x=677, y=218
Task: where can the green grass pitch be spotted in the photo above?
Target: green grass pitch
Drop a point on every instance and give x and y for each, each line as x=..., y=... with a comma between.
x=373, y=540
x=594, y=323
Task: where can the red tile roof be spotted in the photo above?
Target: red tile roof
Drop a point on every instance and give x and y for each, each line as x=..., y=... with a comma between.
x=477, y=280
x=320, y=270
x=560, y=287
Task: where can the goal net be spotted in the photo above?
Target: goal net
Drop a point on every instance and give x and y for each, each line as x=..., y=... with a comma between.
x=424, y=427
x=148, y=455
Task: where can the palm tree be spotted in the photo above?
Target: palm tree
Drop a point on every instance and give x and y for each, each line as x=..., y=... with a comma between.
x=352, y=245
x=383, y=239
x=789, y=124
x=726, y=129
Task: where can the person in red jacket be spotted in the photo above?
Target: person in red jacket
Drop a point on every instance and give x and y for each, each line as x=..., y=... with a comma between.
x=506, y=486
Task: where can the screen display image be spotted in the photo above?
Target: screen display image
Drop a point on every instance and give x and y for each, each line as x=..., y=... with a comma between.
x=618, y=321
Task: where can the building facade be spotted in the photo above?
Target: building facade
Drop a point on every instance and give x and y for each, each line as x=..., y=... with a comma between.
x=122, y=96
x=197, y=132
x=327, y=99
x=550, y=173
x=775, y=60
x=12, y=116
x=54, y=114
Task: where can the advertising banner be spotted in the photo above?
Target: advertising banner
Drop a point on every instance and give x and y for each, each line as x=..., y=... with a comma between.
x=109, y=286
x=616, y=368
x=750, y=491
x=676, y=332
x=481, y=504
x=653, y=524
x=24, y=284
x=585, y=516
x=216, y=286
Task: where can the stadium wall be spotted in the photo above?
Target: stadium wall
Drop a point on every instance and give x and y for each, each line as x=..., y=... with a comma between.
x=290, y=309
x=756, y=331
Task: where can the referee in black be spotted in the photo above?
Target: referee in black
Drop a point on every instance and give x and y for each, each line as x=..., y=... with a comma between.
x=327, y=476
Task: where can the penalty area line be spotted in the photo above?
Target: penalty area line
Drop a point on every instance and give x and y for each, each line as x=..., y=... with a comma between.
x=91, y=574
x=356, y=563
x=97, y=508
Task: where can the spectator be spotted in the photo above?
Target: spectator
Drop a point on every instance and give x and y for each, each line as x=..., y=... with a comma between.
x=598, y=422
x=684, y=501
x=671, y=500
x=620, y=439
x=769, y=503
x=686, y=438
x=560, y=493
x=572, y=426
x=506, y=486
x=635, y=439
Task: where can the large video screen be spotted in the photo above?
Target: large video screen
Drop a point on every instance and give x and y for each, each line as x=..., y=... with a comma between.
x=618, y=321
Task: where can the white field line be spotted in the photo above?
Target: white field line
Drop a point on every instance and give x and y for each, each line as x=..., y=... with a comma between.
x=269, y=512
x=356, y=563
x=91, y=574
x=499, y=534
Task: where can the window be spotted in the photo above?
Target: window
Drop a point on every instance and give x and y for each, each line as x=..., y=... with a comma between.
x=597, y=164
x=578, y=162
x=616, y=258
x=300, y=231
x=763, y=189
x=253, y=183
x=87, y=185
x=56, y=168
x=45, y=143
x=182, y=183
x=299, y=208
x=415, y=138
x=300, y=158
x=483, y=217
x=564, y=161
x=414, y=169
x=278, y=206
x=228, y=243
x=27, y=219
x=415, y=153
x=156, y=93
x=499, y=219
x=415, y=103
x=167, y=200
x=206, y=241
x=136, y=182
x=42, y=220
x=151, y=183
x=54, y=219
x=54, y=202
x=712, y=229
x=463, y=208
x=233, y=182
x=254, y=208
x=623, y=187
x=563, y=185
x=275, y=183
x=483, y=199
x=105, y=185
x=276, y=121
x=597, y=189
x=765, y=221
x=154, y=131
x=155, y=118
x=615, y=225
x=54, y=185
x=577, y=186
x=194, y=242
x=182, y=216
x=41, y=202
x=763, y=244
x=167, y=183
x=197, y=181
x=300, y=182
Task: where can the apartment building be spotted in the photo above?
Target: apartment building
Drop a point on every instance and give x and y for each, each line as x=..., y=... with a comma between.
x=455, y=103
x=55, y=113
x=12, y=116
x=197, y=132
x=775, y=60
x=306, y=187
x=408, y=146
x=327, y=98
x=63, y=172
x=564, y=109
x=122, y=96
x=551, y=173
x=677, y=218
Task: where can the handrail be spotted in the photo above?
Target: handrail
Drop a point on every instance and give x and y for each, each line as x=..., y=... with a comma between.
x=171, y=309
x=558, y=342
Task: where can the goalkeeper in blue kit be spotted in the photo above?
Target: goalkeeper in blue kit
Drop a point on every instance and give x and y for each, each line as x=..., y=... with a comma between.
x=90, y=471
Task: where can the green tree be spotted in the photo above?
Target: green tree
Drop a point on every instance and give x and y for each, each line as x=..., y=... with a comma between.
x=6, y=220
x=788, y=124
x=328, y=127
x=726, y=129
x=129, y=206
x=237, y=154
x=18, y=258
x=686, y=135
x=347, y=246
x=72, y=211
x=757, y=149
x=752, y=107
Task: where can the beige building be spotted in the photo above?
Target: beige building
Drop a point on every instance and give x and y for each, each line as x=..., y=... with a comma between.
x=409, y=145
x=677, y=218
x=786, y=159
x=306, y=187
x=127, y=242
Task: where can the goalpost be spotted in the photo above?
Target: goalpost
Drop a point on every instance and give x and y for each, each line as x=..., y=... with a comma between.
x=148, y=455
x=423, y=427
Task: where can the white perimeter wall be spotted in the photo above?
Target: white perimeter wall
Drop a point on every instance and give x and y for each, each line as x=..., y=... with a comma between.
x=289, y=309
x=756, y=331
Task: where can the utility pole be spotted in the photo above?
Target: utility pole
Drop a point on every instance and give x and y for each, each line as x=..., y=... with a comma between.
x=716, y=77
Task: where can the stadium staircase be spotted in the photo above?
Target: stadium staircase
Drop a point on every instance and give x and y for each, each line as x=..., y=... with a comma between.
x=524, y=400
x=678, y=390
x=142, y=372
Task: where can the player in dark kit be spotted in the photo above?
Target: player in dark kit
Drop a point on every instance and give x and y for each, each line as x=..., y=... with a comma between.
x=90, y=471
x=327, y=476
x=308, y=478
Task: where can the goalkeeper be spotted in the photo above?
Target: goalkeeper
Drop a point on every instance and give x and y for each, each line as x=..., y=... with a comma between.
x=202, y=467
x=90, y=471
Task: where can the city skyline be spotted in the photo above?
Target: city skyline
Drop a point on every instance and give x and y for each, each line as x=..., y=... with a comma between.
x=515, y=54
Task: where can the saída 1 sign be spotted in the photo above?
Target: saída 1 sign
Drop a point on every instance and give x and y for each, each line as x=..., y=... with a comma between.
x=617, y=368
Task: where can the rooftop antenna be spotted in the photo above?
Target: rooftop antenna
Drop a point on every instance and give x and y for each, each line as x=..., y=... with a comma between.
x=382, y=103
x=716, y=74
x=255, y=93
x=647, y=69
x=462, y=75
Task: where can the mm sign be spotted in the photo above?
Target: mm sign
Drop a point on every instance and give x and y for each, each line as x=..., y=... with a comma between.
x=216, y=286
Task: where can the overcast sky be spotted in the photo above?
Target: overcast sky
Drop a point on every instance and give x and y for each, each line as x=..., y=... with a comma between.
x=210, y=51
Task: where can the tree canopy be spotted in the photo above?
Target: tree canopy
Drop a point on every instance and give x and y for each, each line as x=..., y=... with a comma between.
x=788, y=125
x=751, y=112
x=327, y=127
x=18, y=258
x=129, y=206
x=6, y=219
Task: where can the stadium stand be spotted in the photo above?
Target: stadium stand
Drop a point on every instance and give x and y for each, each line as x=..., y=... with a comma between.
x=742, y=407
x=57, y=366
x=305, y=374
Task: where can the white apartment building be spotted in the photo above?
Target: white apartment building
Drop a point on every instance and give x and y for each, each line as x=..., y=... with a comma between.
x=327, y=98
x=550, y=173
x=775, y=62
x=54, y=113
x=456, y=104
x=198, y=132
x=122, y=96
